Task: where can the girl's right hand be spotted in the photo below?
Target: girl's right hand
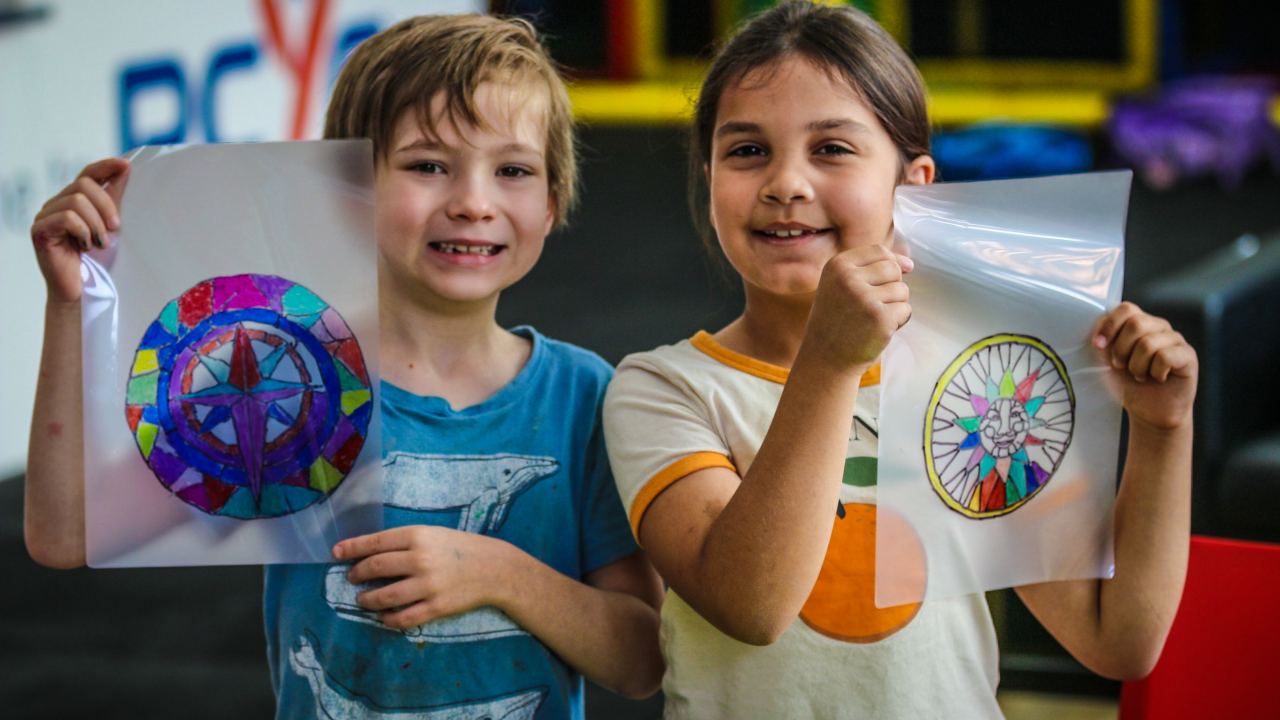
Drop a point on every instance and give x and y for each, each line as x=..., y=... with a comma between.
x=861, y=302
x=75, y=220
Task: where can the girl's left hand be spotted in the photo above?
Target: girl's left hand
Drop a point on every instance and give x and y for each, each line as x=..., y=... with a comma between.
x=1157, y=367
x=434, y=571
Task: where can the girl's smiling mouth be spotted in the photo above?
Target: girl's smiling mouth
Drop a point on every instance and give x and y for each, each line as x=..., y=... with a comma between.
x=788, y=232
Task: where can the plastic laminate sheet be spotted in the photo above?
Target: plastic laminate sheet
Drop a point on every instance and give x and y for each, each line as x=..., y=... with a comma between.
x=999, y=425
x=230, y=358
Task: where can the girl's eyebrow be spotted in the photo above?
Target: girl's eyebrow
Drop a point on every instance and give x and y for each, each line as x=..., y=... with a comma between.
x=736, y=127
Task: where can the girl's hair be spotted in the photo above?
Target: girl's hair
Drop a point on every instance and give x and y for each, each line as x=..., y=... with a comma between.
x=407, y=65
x=841, y=40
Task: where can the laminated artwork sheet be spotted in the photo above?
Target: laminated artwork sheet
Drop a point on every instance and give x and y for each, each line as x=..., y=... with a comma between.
x=230, y=358
x=999, y=421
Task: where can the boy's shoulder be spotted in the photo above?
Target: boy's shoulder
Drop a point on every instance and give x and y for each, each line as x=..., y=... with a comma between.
x=566, y=358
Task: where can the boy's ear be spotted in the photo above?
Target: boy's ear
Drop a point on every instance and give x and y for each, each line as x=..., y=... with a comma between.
x=920, y=171
x=551, y=214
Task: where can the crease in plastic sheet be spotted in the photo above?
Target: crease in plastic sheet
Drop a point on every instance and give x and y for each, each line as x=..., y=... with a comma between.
x=999, y=421
x=230, y=358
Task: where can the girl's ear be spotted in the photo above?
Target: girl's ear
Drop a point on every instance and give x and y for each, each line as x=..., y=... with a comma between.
x=920, y=171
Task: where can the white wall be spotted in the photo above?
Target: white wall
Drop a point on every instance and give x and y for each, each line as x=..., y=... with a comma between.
x=200, y=70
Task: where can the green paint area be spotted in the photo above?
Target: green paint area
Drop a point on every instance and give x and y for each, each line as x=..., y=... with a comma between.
x=142, y=389
x=169, y=317
x=860, y=471
x=324, y=477
x=146, y=438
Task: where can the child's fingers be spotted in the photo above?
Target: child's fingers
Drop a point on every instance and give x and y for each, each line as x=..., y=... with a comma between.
x=396, y=563
x=101, y=201
x=63, y=226
x=393, y=595
x=1176, y=360
x=374, y=543
x=414, y=615
x=1145, y=350
x=1134, y=329
x=1109, y=325
x=112, y=172
x=81, y=206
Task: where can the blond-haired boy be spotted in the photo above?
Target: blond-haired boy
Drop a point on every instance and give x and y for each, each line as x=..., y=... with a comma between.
x=508, y=568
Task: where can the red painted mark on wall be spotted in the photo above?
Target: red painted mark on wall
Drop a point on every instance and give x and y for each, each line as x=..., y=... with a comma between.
x=301, y=62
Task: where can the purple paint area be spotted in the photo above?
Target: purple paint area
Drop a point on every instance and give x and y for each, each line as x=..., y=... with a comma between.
x=1036, y=477
x=273, y=288
x=237, y=292
x=168, y=468
x=335, y=325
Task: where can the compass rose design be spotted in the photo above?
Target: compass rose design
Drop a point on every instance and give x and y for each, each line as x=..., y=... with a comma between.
x=249, y=397
x=998, y=425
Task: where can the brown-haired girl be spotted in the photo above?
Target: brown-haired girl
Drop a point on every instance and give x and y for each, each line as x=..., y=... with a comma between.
x=729, y=448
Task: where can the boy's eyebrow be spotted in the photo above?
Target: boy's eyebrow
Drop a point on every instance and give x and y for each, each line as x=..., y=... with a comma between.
x=427, y=144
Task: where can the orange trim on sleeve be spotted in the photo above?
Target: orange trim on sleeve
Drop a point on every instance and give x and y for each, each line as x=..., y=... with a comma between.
x=664, y=478
x=704, y=341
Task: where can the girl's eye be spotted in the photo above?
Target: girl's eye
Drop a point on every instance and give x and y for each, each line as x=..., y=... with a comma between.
x=513, y=171
x=834, y=149
x=427, y=167
x=747, y=151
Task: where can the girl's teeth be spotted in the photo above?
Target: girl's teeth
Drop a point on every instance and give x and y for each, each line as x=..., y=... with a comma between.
x=467, y=249
x=784, y=233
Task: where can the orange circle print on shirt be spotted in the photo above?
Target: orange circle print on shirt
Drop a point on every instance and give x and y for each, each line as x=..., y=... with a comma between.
x=842, y=604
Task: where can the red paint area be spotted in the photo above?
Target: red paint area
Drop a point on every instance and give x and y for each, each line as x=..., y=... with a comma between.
x=134, y=414
x=346, y=456
x=349, y=353
x=196, y=304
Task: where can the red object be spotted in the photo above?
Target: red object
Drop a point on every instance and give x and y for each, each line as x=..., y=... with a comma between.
x=1220, y=658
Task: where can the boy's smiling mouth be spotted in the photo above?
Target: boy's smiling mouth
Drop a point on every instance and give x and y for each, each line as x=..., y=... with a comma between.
x=466, y=248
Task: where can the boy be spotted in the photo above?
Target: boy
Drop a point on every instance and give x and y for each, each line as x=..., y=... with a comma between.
x=490, y=609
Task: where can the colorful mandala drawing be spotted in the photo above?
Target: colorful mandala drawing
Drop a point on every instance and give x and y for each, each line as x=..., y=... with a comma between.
x=998, y=425
x=249, y=397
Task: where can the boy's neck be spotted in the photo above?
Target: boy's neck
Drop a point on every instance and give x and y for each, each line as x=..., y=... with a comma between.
x=460, y=353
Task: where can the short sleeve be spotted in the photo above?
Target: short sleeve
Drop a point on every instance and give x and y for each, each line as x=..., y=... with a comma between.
x=605, y=536
x=657, y=433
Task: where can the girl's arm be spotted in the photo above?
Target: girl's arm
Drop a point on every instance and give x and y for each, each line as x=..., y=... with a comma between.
x=745, y=551
x=606, y=628
x=1117, y=627
x=73, y=221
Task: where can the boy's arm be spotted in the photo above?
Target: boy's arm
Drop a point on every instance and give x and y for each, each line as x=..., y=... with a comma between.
x=1117, y=627
x=73, y=221
x=606, y=628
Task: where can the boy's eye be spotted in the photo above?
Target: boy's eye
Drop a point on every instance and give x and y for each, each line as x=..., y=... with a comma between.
x=427, y=167
x=511, y=171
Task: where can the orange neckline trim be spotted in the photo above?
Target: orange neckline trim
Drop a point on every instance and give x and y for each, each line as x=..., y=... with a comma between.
x=704, y=342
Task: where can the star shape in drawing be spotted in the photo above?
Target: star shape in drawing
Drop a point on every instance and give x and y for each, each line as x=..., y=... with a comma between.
x=1000, y=433
x=246, y=396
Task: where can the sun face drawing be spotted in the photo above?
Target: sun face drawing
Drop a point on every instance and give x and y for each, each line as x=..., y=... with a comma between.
x=249, y=397
x=998, y=425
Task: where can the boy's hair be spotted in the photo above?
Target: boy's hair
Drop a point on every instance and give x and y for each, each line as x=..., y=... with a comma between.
x=841, y=40
x=407, y=65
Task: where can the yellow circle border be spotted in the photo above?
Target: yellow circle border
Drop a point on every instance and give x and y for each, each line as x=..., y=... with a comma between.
x=938, y=389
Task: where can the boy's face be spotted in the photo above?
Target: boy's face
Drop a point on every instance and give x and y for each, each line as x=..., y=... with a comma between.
x=463, y=216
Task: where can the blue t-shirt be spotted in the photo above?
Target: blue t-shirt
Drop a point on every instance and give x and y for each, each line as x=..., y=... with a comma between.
x=529, y=466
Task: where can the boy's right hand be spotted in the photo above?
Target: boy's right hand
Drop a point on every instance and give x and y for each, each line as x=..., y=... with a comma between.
x=73, y=221
x=861, y=302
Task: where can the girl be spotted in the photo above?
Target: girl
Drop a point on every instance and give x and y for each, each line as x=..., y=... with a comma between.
x=729, y=448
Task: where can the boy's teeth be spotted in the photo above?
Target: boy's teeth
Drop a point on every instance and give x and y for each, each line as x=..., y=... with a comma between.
x=784, y=233
x=467, y=249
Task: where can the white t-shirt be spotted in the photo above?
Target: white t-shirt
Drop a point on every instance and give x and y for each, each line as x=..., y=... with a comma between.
x=696, y=404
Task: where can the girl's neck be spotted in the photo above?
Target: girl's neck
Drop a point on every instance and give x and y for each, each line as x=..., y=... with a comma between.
x=770, y=328
x=456, y=351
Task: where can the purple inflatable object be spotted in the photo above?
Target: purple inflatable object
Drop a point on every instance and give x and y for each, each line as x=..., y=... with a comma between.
x=1208, y=126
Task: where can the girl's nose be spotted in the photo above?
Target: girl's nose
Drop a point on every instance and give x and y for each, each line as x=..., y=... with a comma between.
x=786, y=185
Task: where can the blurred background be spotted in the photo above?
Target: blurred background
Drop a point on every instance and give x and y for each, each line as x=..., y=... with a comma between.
x=1184, y=92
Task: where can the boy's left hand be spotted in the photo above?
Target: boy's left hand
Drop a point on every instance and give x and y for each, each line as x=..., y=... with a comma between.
x=1157, y=367
x=434, y=572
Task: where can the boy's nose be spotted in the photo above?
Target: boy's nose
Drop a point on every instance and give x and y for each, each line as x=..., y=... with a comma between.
x=470, y=200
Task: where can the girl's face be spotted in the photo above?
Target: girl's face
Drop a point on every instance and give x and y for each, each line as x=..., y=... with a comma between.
x=800, y=170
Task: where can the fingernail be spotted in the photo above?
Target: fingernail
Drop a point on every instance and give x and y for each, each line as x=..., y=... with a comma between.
x=907, y=263
x=113, y=223
x=97, y=241
x=337, y=552
x=1100, y=341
